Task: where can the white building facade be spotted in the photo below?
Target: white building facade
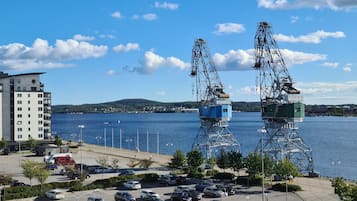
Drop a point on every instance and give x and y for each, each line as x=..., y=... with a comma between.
x=25, y=108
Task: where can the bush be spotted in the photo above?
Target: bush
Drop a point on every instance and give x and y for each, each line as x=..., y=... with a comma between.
x=151, y=177
x=249, y=181
x=211, y=172
x=282, y=187
x=224, y=176
x=195, y=175
x=5, y=180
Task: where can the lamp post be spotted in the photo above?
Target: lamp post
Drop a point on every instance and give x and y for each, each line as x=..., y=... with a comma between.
x=81, y=143
x=262, y=131
x=105, y=136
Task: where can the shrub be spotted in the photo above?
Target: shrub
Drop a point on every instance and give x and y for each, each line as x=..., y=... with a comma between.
x=224, y=176
x=282, y=187
x=211, y=172
x=249, y=181
x=151, y=177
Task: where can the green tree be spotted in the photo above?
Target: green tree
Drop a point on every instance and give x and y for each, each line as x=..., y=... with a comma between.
x=31, y=143
x=29, y=169
x=285, y=167
x=58, y=141
x=194, y=160
x=236, y=160
x=41, y=173
x=253, y=163
x=3, y=143
x=223, y=160
x=178, y=160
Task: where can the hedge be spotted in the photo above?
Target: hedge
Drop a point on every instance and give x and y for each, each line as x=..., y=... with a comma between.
x=282, y=187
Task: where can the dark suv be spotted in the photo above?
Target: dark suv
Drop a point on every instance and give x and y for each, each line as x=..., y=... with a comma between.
x=124, y=196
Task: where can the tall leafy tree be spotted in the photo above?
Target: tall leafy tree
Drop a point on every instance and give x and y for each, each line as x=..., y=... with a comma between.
x=3, y=143
x=223, y=160
x=178, y=160
x=58, y=141
x=29, y=169
x=254, y=164
x=31, y=143
x=194, y=160
x=235, y=160
x=285, y=167
x=41, y=173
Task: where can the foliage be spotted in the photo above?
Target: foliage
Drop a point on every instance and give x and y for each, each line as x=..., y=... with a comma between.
x=253, y=162
x=178, y=160
x=150, y=177
x=223, y=160
x=345, y=191
x=235, y=160
x=282, y=187
x=31, y=143
x=42, y=174
x=194, y=160
x=224, y=176
x=29, y=169
x=250, y=180
x=286, y=167
x=3, y=143
x=5, y=180
x=58, y=141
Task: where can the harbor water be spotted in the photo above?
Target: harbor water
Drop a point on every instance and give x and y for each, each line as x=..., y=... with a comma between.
x=332, y=139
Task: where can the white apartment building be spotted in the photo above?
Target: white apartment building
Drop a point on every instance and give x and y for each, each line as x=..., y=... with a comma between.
x=25, y=108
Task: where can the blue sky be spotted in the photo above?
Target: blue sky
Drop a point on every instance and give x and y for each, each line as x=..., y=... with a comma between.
x=98, y=51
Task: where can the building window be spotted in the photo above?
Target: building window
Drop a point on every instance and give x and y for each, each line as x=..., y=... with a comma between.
x=29, y=122
x=19, y=115
x=39, y=95
x=19, y=136
x=33, y=81
x=39, y=115
x=19, y=109
x=40, y=136
x=29, y=129
x=19, y=95
x=29, y=136
x=19, y=122
x=40, y=109
x=33, y=88
x=40, y=129
x=29, y=109
x=28, y=95
x=40, y=102
x=40, y=122
x=29, y=102
x=29, y=115
x=18, y=88
x=19, y=129
x=19, y=102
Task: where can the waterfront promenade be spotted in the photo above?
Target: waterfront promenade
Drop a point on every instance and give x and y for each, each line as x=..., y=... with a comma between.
x=313, y=188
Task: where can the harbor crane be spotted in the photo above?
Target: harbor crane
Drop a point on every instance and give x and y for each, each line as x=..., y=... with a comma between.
x=215, y=107
x=281, y=104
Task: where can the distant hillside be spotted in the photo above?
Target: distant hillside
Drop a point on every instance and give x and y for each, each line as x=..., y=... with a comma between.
x=143, y=105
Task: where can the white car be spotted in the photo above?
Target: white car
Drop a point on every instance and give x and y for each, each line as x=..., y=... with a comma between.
x=132, y=185
x=55, y=194
x=146, y=193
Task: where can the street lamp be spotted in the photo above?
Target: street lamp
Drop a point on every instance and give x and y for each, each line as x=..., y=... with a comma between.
x=262, y=131
x=105, y=136
x=81, y=143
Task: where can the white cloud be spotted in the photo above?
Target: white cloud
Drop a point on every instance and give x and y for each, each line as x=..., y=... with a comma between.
x=316, y=4
x=149, y=16
x=330, y=64
x=314, y=37
x=117, y=15
x=166, y=5
x=126, y=48
x=227, y=28
x=244, y=59
x=42, y=55
x=80, y=37
x=153, y=62
x=294, y=19
x=328, y=92
x=347, y=68
x=111, y=72
x=110, y=36
x=248, y=90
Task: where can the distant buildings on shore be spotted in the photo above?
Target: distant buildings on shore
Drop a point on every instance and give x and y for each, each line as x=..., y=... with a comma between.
x=25, y=108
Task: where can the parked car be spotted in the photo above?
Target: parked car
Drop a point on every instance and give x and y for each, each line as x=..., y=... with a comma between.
x=202, y=185
x=227, y=188
x=167, y=180
x=213, y=191
x=132, y=185
x=181, y=188
x=195, y=195
x=180, y=196
x=148, y=194
x=55, y=194
x=180, y=180
x=95, y=198
x=124, y=196
x=17, y=183
x=126, y=172
x=51, y=166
